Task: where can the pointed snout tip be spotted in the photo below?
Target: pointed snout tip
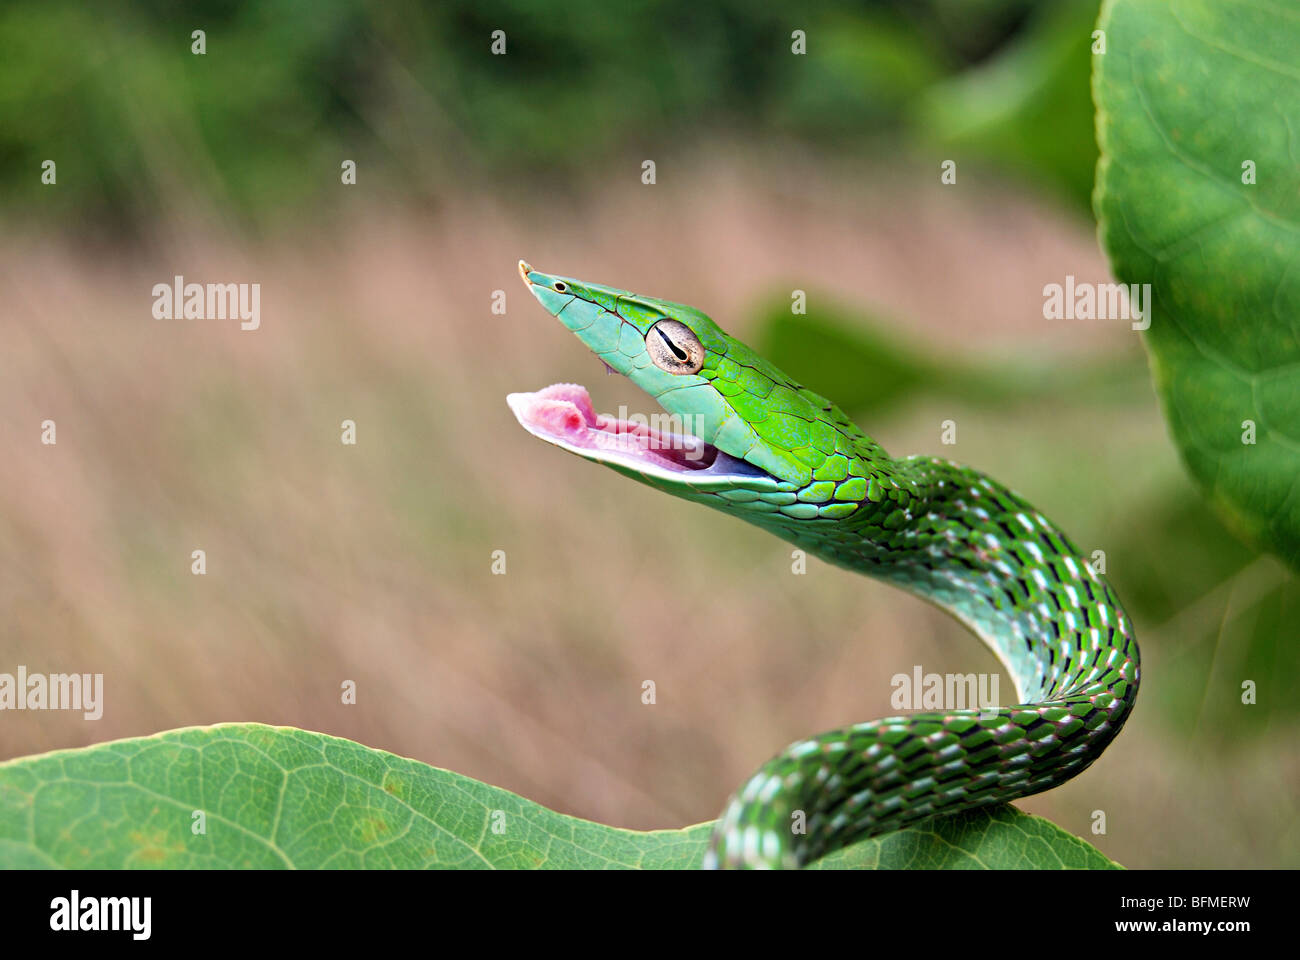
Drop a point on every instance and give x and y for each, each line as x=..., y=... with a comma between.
x=524, y=270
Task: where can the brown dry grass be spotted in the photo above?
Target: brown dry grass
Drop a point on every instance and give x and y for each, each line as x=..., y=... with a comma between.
x=371, y=563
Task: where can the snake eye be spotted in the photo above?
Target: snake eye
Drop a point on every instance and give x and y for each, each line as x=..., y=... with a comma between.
x=561, y=286
x=673, y=346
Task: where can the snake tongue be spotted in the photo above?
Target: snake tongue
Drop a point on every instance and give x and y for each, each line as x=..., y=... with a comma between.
x=562, y=410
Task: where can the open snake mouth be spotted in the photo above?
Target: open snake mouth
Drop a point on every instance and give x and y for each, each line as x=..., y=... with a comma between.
x=563, y=414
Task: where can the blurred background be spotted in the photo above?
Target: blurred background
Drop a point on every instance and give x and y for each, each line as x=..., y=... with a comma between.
x=372, y=563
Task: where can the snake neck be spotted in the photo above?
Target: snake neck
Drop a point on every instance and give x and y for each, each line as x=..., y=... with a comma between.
x=960, y=540
x=976, y=549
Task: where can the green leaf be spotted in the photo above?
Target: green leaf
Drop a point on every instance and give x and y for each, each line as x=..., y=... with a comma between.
x=994, y=838
x=1187, y=93
x=281, y=797
x=830, y=346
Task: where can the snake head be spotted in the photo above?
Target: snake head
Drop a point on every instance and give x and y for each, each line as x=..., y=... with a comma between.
x=738, y=422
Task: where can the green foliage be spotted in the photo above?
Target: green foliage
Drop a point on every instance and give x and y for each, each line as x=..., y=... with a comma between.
x=847, y=354
x=829, y=348
x=995, y=838
x=863, y=73
x=1217, y=616
x=139, y=125
x=279, y=797
x=1188, y=92
x=258, y=126
x=1029, y=109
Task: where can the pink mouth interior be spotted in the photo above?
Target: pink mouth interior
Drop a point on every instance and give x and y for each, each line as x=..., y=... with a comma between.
x=563, y=412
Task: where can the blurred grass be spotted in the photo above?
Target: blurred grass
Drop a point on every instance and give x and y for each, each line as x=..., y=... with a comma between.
x=371, y=563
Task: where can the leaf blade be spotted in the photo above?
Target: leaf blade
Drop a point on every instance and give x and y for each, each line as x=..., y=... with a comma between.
x=279, y=797
x=1187, y=94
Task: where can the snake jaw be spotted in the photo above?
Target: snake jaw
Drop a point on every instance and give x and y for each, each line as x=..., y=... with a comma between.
x=563, y=415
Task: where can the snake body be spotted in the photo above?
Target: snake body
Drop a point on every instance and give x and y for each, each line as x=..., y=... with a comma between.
x=768, y=450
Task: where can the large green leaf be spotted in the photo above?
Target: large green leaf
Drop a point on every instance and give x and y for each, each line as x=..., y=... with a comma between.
x=280, y=797
x=1187, y=93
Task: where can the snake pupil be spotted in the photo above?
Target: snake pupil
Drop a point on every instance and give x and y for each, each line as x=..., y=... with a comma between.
x=678, y=352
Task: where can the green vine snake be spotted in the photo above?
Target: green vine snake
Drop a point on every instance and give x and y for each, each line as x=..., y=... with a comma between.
x=768, y=450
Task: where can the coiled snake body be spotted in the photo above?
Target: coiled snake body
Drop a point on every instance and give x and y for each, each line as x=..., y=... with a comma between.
x=766, y=449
